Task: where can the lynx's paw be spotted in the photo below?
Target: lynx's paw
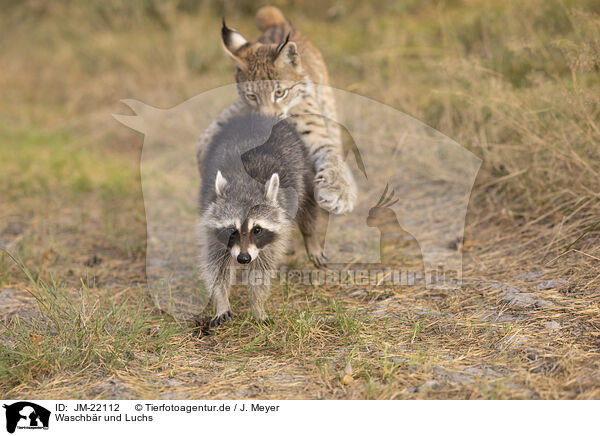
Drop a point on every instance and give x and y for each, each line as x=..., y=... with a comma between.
x=335, y=189
x=221, y=319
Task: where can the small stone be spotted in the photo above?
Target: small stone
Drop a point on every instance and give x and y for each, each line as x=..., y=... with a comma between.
x=171, y=382
x=430, y=385
x=513, y=342
x=14, y=228
x=523, y=299
x=346, y=248
x=550, y=284
x=347, y=379
x=483, y=371
x=357, y=293
x=347, y=375
x=451, y=376
x=529, y=276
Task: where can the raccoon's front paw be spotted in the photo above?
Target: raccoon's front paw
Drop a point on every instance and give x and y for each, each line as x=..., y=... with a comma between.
x=335, y=189
x=221, y=319
x=318, y=258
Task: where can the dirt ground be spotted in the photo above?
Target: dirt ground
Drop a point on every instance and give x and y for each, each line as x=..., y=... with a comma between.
x=76, y=320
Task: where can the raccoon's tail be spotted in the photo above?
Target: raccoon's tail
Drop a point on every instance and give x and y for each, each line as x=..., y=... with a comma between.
x=269, y=16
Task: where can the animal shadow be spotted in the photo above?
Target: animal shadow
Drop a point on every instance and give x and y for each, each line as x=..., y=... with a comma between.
x=396, y=245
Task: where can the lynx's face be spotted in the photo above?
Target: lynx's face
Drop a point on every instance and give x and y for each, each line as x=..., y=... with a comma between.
x=273, y=97
x=270, y=77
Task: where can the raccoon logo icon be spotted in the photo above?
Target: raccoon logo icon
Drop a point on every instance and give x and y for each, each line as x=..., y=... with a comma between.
x=26, y=415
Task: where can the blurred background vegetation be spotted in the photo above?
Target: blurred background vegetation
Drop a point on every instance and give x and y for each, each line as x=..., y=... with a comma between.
x=515, y=82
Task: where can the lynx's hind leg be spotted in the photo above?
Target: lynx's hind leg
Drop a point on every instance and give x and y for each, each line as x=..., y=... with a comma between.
x=335, y=188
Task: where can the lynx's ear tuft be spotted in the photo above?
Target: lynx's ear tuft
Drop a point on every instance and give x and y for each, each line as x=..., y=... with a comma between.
x=272, y=188
x=287, y=54
x=220, y=184
x=232, y=41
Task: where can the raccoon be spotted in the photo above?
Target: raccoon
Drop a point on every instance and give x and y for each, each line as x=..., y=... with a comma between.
x=278, y=75
x=256, y=181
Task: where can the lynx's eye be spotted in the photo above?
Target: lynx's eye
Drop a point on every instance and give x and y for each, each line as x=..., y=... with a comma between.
x=251, y=97
x=280, y=93
x=257, y=230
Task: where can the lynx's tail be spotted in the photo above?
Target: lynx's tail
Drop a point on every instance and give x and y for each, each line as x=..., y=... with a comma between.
x=269, y=16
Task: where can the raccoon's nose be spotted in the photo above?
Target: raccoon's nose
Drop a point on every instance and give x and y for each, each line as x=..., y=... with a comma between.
x=244, y=258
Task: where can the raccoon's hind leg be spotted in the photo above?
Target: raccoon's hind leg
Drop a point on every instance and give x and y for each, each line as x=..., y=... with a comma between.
x=312, y=221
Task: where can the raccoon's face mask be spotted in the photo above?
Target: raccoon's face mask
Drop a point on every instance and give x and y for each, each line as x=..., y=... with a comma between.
x=247, y=230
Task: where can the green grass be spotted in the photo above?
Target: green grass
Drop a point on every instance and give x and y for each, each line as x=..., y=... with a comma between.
x=37, y=163
x=79, y=332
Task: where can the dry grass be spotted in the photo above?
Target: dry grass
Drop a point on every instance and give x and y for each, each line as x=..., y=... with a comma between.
x=516, y=83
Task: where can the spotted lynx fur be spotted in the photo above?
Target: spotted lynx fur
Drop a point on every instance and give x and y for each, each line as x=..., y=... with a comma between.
x=277, y=75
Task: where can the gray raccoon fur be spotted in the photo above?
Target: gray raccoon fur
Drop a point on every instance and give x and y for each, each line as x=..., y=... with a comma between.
x=257, y=179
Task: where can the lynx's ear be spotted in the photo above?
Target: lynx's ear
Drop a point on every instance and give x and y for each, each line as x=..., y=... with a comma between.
x=272, y=188
x=220, y=184
x=287, y=54
x=232, y=41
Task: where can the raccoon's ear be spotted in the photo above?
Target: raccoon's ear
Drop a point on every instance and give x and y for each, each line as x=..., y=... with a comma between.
x=232, y=41
x=272, y=188
x=220, y=184
x=287, y=54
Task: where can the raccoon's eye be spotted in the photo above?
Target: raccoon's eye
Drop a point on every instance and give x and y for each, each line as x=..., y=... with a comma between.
x=256, y=230
x=280, y=93
x=232, y=231
x=251, y=97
